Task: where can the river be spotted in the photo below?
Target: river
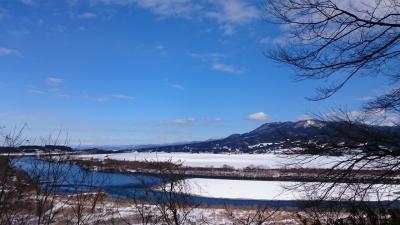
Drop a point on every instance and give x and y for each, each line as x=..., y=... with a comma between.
x=68, y=178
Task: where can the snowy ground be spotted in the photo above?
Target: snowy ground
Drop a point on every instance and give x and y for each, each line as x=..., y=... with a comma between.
x=241, y=189
x=238, y=161
x=279, y=190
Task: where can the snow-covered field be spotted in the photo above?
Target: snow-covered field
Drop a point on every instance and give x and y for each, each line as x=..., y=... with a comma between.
x=279, y=190
x=269, y=160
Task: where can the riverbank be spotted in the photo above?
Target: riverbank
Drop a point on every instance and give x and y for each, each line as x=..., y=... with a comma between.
x=150, y=166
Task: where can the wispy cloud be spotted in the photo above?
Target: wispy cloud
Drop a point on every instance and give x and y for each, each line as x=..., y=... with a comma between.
x=180, y=121
x=51, y=88
x=227, y=68
x=58, y=28
x=2, y=13
x=96, y=98
x=365, y=98
x=161, y=50
x=64, y=96
x=230, y=14
x=19, y=32
x=381, y=117
x=211, y=56
x=123, y=97
x=54, y=81
x=192, y=120
x=27, y=2
x=9, y=52
x=258, y=116
x=305, y=117
x=227, y=14
x=266, y=40
x=214, y=59
x=36, y=91
x=87, y=15
x=52, y=92
x=177, y=86
x=212, y=119
x=279, y=40
x=166, y=8
x=105, y=98
x=16, y=117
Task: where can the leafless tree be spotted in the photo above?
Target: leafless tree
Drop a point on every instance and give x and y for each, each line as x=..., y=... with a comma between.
x=33, y=195
x=13, y=185
x=335, y=41
x=142, y=202
x=169, y=201
x=257, y=215
x=354, y=216
x=86, y=204
x=340, y=39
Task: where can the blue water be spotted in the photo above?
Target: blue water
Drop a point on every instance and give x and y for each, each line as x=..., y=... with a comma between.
x=70, y=178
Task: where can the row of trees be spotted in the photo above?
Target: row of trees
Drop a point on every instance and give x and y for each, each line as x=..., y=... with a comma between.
x=35, y=198
x=50, y=191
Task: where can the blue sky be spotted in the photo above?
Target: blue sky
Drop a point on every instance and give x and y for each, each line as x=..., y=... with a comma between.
x=149, y=71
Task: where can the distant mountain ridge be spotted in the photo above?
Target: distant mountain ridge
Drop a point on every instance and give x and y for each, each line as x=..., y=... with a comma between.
x=267, y=137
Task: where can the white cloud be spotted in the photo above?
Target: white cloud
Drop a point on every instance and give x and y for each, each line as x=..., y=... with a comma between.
x=9, y=51
x=54, y=81
x=226, y=68
x=181, y=121
x=87, y=15
x=177, y=8
x=230, y=14
x=184, y=8
x=227, y=14
x=258, y=116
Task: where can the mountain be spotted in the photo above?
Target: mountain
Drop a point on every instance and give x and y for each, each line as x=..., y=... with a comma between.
x=272, y=136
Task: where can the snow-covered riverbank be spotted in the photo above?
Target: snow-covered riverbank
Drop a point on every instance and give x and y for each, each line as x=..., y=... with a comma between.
x=238, y=161
x=280, y=190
